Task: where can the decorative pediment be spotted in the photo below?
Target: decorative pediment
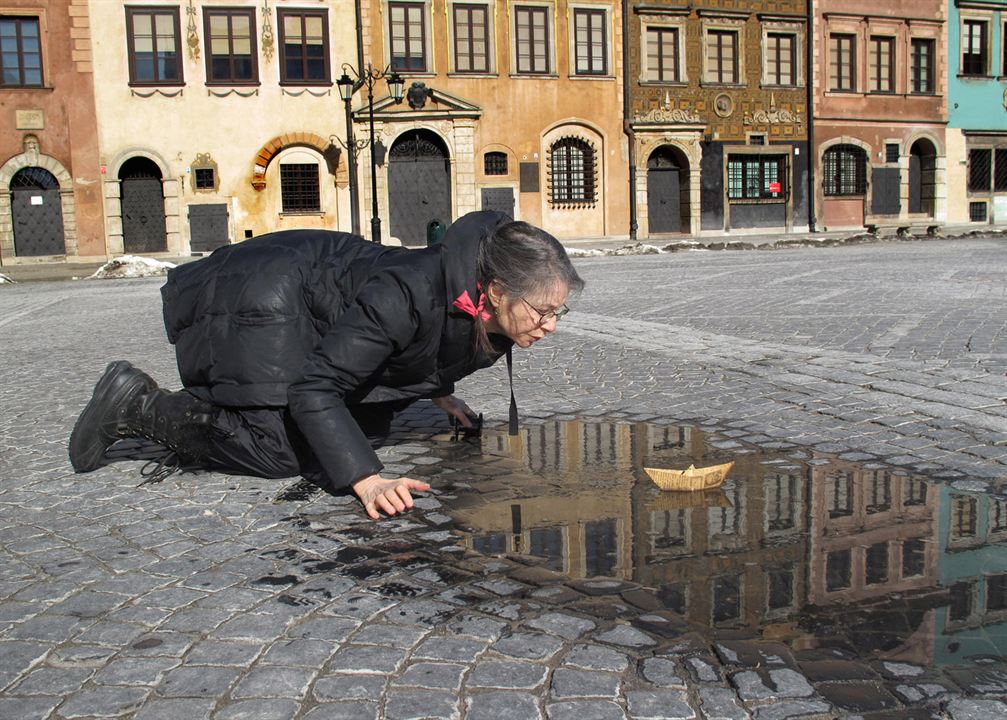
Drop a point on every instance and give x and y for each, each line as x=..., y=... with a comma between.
x=435, y=104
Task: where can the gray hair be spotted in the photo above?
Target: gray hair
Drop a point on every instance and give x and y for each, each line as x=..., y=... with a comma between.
x=525, y=260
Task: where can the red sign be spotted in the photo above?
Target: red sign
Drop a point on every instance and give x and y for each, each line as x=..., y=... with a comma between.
x=774, y=187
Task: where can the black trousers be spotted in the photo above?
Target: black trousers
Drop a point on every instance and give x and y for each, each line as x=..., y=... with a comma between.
x=266, y=442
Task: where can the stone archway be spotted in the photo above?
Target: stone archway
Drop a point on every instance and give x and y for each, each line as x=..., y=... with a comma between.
x=922, y=177
x=668, y=191
x=419, y=185
x=32, y=157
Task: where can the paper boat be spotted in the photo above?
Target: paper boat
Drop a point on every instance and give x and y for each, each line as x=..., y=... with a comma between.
x=690, y=479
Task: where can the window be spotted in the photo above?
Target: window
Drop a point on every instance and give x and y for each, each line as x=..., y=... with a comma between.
x=205, y=179
x=722, y=56
x=590, y=41
x=916, y=492
x=842, y=63
x=726, y=598
x=840, y=495
x=881, y=65
x=20, y=52
x=304, y=47
x=879, y=493
x=998, y=515
x=781, y=588
x=977, y=211
x=892, y=152
x=876, y=564
x=662, y=55
x=572, y=172
x=532, y=40
x=781, y=502
x=756, y=177
x=913, y=558
x=408, y=32
x=781, y=59
x=963, y=517
x=1000, y=170
x=974, y=51
x=845, y=171
x=153, y=42
x=961, y=601
x=299, y=188
x=996, y=592
x=495, y=163
x=472, y=45
x=231, y=37
x=923, y=66
x=980, y=160
x=837, y=570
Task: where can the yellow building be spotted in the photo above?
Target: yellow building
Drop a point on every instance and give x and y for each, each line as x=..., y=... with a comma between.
x=217, y=120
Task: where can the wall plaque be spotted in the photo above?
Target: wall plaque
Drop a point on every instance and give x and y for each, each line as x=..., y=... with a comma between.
x=30, y=120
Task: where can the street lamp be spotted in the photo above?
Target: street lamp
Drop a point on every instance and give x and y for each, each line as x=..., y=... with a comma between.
x=347, y=87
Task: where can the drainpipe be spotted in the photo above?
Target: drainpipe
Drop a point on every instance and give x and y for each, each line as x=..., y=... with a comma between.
x=360, y=36
x=810, y=72
x=626, y=127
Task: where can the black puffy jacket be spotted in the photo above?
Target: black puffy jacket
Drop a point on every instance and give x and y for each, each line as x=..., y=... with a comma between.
x=319, y=320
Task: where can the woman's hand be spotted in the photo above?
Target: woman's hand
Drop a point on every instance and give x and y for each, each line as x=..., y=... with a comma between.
x=390, y=496
x=456, y=408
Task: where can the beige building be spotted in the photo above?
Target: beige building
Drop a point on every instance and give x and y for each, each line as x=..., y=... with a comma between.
x=217, y=120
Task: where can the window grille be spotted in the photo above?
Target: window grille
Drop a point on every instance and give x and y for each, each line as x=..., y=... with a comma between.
x=495, y=163
x=299, y=187
x=572, y=173
x=892, y=152
x=977, y=211
x=979, y=169
x=845, y=171
x=205, y=179
x=1000, y=170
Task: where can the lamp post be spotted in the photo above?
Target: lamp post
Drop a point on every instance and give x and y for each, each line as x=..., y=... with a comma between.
x=365, y=77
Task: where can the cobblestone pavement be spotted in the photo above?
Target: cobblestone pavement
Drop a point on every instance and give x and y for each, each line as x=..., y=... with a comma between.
x=208, y=596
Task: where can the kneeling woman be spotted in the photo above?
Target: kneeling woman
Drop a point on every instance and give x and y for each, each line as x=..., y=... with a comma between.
x=297, y=346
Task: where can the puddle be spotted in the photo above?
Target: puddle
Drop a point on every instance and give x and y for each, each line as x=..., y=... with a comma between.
x=865, y=560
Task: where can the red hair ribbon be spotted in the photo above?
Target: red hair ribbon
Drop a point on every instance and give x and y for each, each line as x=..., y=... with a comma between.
x=464, y=303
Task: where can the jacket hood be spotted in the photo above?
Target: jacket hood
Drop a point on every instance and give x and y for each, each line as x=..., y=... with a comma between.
x=460, y=255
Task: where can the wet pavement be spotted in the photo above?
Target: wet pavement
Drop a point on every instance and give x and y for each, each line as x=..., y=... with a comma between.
x=852, y=564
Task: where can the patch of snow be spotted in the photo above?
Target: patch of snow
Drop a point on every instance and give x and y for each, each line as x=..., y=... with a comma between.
x=131, y=266
x=5, y=279
x=583, y=252
x=636, y=249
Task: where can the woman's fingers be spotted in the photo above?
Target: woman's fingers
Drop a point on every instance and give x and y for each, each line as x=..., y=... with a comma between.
x=415, y=484
x=404, y=496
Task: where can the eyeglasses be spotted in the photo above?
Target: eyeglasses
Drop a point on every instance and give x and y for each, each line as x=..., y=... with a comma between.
x=545, y=316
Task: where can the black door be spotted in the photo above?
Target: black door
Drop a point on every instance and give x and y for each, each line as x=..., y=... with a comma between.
x=667, y=191
x=419, y=186
x=922, y=177
x=499, y=199
x=37, y=213
x=207, y=227
x=143, y=223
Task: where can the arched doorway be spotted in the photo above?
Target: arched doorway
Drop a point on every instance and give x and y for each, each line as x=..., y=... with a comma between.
x=668, y=191
x=419, y=185
x=922, y=177
x=143, y=223
x=37, y=212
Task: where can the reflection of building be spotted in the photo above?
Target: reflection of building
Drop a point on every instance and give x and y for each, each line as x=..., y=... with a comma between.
x=973, y=566
x=871, y=534
x=736, y=556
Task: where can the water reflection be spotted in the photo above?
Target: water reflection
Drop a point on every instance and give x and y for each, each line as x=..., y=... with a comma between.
x=806, y=549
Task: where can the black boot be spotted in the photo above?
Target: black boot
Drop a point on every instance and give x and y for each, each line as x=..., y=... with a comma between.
x=128, y=404
x=98, y=425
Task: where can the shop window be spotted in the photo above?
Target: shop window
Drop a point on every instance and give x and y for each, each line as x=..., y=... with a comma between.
x=845, y=171
x=756, y=177
x=153, y=46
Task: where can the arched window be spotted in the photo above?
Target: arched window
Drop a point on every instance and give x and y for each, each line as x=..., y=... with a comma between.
x=572, y=171
x=845, y=171
x=299, y=182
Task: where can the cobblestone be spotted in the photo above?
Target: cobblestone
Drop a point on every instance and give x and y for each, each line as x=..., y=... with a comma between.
x=226, y=598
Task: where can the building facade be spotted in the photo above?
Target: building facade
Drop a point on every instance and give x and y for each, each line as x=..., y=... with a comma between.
x=50, y=187
x=218, y=120
x=880, y=113
x=977, y=111
x=509, y=106
x=718, y=112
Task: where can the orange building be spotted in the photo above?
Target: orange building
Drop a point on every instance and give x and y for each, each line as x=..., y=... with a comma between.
x=509, y=106
x=50, y=175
